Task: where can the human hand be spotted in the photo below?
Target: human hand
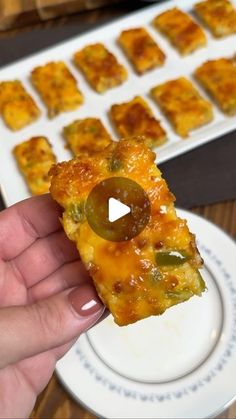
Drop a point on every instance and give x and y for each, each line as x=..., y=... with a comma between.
x=46, y=301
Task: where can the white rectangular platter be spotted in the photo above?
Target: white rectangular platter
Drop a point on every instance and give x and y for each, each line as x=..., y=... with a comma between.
x=12, y=183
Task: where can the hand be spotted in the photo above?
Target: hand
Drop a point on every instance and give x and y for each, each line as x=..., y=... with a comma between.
x=46, y=301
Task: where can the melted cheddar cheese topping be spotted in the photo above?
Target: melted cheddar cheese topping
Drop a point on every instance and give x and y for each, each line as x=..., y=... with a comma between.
x=149, y=273
x=218, y=77
x=136, y=118
x=35, y=157
x=100, y=67
x=57, y=88
x=17, y=107
x=185, y=34
x=218, y=15
x=141, y=49
x=86, y=136
x=183, y=105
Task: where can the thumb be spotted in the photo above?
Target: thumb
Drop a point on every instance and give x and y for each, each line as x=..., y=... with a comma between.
x=29, y=330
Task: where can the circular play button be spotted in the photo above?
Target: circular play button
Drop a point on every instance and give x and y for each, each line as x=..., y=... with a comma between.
x=117, y=209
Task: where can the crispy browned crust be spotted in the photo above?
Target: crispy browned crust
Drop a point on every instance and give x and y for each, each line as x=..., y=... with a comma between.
x=136, y=118
x=185, y=108
x=86, y=136
x=127, y=276
x=35, y=157
x=142, y=50
x=57, y=88
x=218, y=77
x=100, y=67
x=17, y=107
x=182, y=31
x=218, y=15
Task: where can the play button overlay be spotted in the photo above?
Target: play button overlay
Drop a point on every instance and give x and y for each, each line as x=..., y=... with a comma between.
x=117, y=209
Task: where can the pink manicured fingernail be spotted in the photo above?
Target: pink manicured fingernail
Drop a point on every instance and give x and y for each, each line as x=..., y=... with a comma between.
x=85, y=300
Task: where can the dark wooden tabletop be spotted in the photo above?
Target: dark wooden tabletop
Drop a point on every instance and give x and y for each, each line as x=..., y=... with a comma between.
x=55, y=402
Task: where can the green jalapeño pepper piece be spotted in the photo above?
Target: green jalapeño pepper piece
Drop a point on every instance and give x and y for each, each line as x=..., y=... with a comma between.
x=115, y=164
x=171, y=258
x=76, y=212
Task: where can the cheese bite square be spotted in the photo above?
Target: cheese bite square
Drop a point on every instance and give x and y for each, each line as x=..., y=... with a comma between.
x=218, y=77
x=142, y=50
x=154, y=270
x=17, y=107
x=86, y=136
x=185, y=108
x=35, y=157
x=218, y=15
x=185, y=34
x=57, y=88
x=100, y=67
x=135, y=118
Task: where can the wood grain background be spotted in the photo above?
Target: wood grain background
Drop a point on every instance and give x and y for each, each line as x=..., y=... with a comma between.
x=17, y=13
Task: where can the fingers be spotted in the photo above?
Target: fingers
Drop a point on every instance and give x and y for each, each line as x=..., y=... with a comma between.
x=68, y=276
x=33, y=374
x=29, y=330
x=26, y=221
x=58, y=353
x=44, y=257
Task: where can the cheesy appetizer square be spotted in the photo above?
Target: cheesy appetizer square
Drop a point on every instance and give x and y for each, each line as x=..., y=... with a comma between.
x=57, y=88
x=86, y=136
x=135, y=118
x=218, y=77
x=151, y=272
x=35, y=157
x=185, y=108
x=218, y=15
x=100, y=67
x=17, y=107
x=141, y=49
x=185, y=34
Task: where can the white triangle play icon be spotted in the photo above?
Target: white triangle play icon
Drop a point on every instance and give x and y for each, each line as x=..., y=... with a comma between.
x=116, y=209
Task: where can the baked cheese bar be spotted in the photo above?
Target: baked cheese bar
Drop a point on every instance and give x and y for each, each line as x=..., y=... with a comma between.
x=182, y=31
x=57, y=88
x=218, y=77
x=17, y=107
x=218, y=15
x=35, y=157
x=142, y=50
x=185, y=108
x=135, y=118
x=100, y=67
x=86, y=136
x=153, y=271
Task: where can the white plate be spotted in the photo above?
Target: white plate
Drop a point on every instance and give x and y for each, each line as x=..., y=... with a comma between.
x=13, y=185
x=179, y=365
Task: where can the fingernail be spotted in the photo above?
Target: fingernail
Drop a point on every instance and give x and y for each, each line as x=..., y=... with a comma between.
x=85, y=301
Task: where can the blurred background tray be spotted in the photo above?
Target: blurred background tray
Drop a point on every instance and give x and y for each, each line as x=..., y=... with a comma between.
x=16, y=13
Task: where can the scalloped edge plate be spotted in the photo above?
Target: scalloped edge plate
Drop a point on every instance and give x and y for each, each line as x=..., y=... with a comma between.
x=114, y=383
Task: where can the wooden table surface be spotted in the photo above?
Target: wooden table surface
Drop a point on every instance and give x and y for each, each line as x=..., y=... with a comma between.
x=55, y=402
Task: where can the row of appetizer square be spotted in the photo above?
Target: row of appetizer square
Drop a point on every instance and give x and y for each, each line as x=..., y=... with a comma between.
x=58, y=87
x=185, y=108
